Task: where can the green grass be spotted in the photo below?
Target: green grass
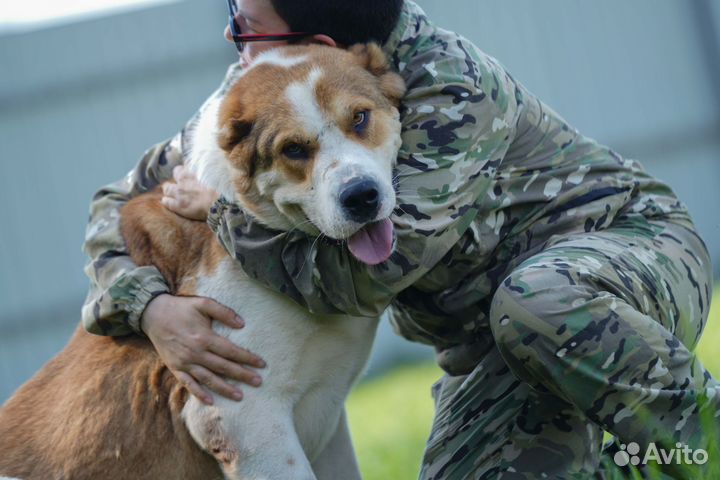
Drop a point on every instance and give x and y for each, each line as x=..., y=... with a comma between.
x=390, y=416
x=390, y=420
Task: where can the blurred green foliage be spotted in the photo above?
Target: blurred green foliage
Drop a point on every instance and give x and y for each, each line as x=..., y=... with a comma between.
x=709, y=347
x=390, y=420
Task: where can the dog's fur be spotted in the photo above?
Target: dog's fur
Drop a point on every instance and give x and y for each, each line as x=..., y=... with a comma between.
x=108, y=408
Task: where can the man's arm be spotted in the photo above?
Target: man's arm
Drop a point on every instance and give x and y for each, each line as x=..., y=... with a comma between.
x=119, y=289
x=455, y=134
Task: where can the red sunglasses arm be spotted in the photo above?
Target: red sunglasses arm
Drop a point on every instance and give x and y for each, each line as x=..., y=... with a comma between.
x=251, y=37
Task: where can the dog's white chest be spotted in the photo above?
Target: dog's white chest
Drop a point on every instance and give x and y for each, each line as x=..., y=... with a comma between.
x=312, y=362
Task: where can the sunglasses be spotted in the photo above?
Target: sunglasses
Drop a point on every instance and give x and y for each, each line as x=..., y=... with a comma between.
x=241, y=38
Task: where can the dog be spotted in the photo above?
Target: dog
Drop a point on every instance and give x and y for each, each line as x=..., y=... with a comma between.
x=305, y=138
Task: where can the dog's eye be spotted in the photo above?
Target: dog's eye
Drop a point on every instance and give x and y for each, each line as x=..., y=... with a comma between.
x=360, y=121
x=295, y=151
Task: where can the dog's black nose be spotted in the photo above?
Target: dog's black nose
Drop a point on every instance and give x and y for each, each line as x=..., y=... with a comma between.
x=360, y=199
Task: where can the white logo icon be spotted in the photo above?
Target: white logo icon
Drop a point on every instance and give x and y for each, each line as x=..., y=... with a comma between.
x=624, y=457
x=681, y=454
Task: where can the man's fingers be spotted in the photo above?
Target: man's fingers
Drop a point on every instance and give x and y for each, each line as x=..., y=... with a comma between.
x=194, y=388
x=171, y=203
x=175, y=190
x=220, y=313
x=169, y=189
x=231, y=370
x=183, y=173
x=179, y=172
x=215, y=383
x=224, y=348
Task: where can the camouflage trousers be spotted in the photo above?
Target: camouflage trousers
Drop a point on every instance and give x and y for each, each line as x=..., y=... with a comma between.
x=594, y=333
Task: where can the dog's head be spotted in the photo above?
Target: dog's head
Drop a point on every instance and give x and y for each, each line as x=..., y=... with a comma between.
x=311, y=134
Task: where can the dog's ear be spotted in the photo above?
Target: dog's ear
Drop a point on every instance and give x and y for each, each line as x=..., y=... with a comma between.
x=371, y=57
x=242, y=155
x=232, y=132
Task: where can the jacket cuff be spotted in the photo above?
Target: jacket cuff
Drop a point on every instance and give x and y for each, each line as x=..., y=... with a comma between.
x=140, y=296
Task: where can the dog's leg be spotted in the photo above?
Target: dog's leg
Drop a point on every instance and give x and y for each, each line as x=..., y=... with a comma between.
x=249, y=439
x=337, y=460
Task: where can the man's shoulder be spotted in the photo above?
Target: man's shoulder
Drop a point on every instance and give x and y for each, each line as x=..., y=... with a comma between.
x=432, y=58
x=450, y=72
x=425, y=53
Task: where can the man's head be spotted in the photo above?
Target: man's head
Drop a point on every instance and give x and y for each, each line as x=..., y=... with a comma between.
x=331, y=22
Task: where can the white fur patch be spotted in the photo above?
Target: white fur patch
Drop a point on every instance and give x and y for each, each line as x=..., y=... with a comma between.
x=275, y=57
x=205, y=157
x=294, y=412
x=301, y=96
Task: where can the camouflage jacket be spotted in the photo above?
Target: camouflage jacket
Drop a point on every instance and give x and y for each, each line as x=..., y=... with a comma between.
x=486, y=175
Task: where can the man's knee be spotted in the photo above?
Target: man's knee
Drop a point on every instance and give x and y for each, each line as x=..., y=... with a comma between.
x=536, y=316
x=533, y=302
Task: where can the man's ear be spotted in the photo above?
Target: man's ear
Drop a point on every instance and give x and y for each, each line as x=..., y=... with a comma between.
x=371, y=57
x=323, y=39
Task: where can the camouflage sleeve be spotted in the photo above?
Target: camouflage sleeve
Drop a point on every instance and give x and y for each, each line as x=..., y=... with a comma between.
x=119, y=289
x=455, y=133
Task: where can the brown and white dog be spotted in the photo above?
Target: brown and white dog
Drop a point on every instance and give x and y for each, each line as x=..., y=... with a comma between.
x=305, y=138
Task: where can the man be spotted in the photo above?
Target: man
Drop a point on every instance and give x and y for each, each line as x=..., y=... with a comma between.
x=563, y=288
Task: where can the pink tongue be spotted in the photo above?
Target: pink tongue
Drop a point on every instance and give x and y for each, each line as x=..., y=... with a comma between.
x=373, y=243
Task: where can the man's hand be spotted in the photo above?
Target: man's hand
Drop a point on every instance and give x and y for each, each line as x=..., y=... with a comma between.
x=179, y=328
x=187, y=196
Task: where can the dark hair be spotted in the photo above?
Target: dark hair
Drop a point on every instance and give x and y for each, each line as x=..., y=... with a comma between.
x=346, y=21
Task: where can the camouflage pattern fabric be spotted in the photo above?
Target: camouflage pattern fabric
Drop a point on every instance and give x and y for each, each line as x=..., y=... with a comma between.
x=119, y=289
x=593, y=333
x=491, y=185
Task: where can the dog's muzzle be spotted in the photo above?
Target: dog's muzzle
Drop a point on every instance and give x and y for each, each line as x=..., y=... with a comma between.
x=360, y=200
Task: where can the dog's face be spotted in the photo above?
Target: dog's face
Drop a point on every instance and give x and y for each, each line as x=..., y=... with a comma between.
x=311, y=135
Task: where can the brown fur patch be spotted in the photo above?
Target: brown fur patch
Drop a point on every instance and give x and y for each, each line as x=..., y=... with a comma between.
x=371, y=57
x=176, y=246
x=107, y=407
x=100, y=409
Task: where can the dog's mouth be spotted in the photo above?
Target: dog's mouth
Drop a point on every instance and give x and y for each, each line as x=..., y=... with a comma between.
x=373, y=244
